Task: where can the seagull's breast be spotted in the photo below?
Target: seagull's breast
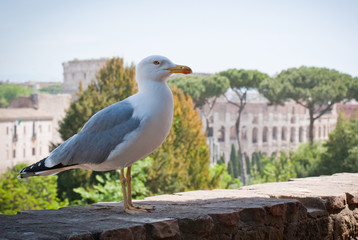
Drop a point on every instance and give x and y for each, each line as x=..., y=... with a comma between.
x=155, y=111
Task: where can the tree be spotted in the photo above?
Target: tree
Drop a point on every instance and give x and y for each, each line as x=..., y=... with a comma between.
x=219, y=174
x=306, y=159
x=27, y=194
x=353, y=89
x=255, y=162
x=274, y=169
x=235, y=163
x=181, y=163
x=316, y=89
x=241, y=81
x=9, y=92
x=54, y=89
x=115, y=82
x=204, y=90
x=341, y=153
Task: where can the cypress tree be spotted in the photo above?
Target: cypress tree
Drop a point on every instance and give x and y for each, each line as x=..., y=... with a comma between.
x=234, y=161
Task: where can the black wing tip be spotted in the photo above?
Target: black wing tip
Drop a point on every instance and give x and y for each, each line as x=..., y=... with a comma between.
x=38, y=166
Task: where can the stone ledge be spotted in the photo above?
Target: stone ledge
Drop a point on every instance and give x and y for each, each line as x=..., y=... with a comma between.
x=323, y=207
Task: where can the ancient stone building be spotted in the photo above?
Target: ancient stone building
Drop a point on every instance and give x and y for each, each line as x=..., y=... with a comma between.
x=25, y=136
x=349, y=109
x=264, y=128
x=54, y=105
x=80, y=72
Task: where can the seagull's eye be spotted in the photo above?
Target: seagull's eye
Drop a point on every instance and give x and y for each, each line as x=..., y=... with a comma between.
x=156, y=62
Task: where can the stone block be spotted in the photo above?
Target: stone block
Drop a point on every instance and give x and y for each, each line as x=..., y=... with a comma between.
x=168, y=229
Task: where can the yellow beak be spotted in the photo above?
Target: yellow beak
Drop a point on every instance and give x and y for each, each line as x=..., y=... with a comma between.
x=180, y=69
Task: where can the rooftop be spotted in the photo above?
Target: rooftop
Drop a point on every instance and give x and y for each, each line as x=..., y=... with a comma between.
x=14, y=114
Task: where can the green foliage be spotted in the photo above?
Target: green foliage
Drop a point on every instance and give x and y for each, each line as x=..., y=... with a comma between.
x=255, y=162
x=240, y=78
x=201, y=88
x=306, y=159
x=54, y=89
x=234, y=168
x=182, y=162
x=27, y=194
x=221, y=160
x=3, y=102
x=109, y=187
x=308, y=86
x=9, y=92
x=219, y=174
x=274, y=169
x=341, y=153
x=316, y=89
x=353, y=89
x=69, y=180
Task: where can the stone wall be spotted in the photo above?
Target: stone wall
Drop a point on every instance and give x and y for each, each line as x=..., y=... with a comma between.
x=323, y=207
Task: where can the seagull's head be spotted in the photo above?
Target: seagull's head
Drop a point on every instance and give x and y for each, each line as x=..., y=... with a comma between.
x=158, y=68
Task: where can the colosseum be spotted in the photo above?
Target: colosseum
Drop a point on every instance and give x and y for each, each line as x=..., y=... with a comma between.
x=266, y=129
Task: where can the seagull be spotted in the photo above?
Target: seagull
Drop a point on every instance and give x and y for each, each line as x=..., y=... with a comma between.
x=121, y=134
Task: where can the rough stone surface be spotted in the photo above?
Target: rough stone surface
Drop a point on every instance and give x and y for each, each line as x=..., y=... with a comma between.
x=323, y=207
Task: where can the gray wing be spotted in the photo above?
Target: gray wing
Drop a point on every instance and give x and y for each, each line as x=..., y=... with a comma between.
x=99, y=136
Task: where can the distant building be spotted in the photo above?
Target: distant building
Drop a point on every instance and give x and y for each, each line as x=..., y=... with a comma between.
x=25, y=136
x=263, y=128
x=38, y=85
x=349, y=109
x=80, y=72
x=54, y=105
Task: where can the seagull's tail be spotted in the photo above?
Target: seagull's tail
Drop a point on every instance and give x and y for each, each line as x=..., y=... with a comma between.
x=39, y=169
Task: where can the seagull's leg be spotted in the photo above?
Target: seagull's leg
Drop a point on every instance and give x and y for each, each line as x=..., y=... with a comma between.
x=127, y=209
x=129, y=189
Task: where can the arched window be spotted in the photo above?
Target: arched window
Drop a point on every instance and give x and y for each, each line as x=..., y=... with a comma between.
x=284, y=134
x=210, y=132
x=300, y=134
x=254, y=135
x=274, y=133
x=232, y=133
x=293, y=119
x=264, y=134
x=293, y=135
x=243, y=133
x=221, y=134
x=319, y=132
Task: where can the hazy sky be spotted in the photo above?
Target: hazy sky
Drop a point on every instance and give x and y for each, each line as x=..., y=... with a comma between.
x=209, y=36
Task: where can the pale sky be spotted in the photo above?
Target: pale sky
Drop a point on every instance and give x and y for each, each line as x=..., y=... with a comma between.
x=37, y=36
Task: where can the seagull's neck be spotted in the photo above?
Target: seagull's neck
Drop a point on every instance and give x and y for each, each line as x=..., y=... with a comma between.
x=152, y=86
x=153, y=98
